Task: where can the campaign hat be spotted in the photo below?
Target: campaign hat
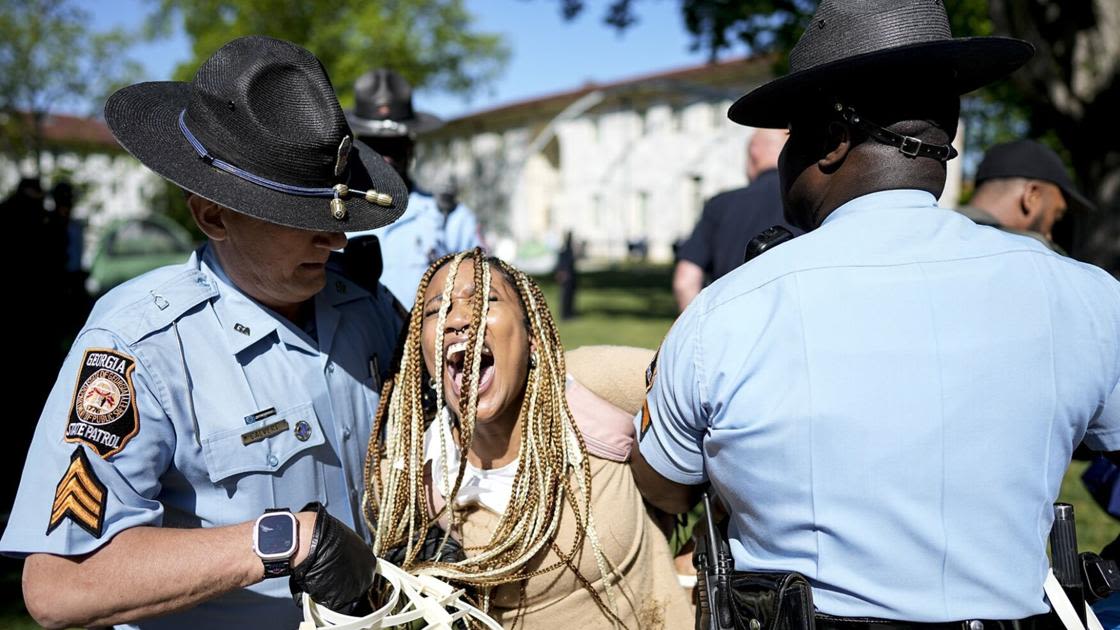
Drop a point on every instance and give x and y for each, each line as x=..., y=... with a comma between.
x=879, y=46
x=259, y=131
x=383, y=107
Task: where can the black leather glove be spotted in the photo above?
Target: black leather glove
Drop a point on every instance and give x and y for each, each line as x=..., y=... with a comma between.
x=452, y=550
x=338, y=570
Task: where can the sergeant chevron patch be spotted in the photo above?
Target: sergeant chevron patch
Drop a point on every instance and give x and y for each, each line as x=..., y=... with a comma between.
x=80, y=496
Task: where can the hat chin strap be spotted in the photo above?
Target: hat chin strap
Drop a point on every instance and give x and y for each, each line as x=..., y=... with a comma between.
x=909, y=146
x=334, y=193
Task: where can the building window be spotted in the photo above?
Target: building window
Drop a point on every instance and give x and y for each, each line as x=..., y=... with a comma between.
x=697, y=200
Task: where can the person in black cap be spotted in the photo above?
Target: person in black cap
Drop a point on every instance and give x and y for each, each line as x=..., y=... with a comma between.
x=203, y=403
x=383, y=118
x=1022, y=187
x=885, y=405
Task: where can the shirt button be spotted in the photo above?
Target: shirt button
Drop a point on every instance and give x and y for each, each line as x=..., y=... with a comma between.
x=272, y=461
x=346, y=434
x=330, y=368
x=354, y=494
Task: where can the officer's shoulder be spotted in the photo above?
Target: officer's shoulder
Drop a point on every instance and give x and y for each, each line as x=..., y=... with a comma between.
x=151, y=301
x=421, y=202
x=778, y=264
x=726, y=198
x=1001, y=239
x=341, y=290
x=1094, y=277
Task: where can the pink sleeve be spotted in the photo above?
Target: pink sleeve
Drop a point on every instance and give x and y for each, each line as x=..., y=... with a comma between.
x=607, y=430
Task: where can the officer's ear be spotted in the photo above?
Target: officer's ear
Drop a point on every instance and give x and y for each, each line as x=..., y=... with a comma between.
x=838, y=143
x=1031, y=199
x=209, y=216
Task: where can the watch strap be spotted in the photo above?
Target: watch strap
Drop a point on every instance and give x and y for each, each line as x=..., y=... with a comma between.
x=277, y=568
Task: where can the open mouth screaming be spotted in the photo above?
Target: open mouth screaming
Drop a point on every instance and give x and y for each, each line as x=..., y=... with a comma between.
x=455, y=356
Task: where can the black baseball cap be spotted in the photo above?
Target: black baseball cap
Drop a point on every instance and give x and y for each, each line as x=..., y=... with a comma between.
x=1032, y=160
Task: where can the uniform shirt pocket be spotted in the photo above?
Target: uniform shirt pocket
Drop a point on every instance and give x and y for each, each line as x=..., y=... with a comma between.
x=264, y=446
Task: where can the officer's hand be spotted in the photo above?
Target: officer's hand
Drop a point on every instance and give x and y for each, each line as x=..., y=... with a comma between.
x=452, y=550
x=339, y=566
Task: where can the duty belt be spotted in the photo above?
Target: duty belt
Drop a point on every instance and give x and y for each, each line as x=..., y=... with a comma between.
x=1046, y=621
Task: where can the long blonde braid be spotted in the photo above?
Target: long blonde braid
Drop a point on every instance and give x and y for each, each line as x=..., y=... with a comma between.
x=553, y=468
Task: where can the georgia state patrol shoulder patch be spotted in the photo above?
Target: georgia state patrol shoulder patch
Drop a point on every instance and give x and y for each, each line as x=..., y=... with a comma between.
x=103, y=413
x=79, y=496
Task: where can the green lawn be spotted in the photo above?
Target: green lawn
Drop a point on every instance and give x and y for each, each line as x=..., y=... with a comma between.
x=634, y=306
x=629, y=306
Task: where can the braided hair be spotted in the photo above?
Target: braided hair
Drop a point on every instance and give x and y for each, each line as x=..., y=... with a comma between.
x=552, y=470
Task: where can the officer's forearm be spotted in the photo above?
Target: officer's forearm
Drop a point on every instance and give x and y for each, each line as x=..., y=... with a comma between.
x=144, y=572
x=663, y=494
x=688, y=279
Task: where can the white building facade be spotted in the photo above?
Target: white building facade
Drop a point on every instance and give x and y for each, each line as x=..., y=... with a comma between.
x=616, y=164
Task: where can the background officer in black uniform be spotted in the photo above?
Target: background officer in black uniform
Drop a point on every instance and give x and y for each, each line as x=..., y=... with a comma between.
x=731, y=219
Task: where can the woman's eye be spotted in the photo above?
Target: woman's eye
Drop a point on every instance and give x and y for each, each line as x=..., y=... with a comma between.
x=430, y=312
x=493, y=297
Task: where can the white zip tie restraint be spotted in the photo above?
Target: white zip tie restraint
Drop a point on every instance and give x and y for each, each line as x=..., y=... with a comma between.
x=438, y=603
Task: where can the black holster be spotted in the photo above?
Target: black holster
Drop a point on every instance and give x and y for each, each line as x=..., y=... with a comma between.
x=744, y=600
x=776, y=601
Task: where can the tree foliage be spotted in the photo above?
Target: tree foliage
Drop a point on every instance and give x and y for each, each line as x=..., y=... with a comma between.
x=1067, y=95
x=50, y=58
x=432, y=43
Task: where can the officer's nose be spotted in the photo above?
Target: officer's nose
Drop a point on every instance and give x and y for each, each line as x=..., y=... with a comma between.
x=331, y=240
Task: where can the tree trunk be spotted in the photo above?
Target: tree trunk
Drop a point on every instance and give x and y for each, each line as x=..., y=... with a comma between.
x=38, y=122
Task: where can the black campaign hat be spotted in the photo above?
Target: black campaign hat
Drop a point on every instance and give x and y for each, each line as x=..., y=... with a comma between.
x=1031, y=160
x=383, y=107
x=879, y=43
x=260, y=131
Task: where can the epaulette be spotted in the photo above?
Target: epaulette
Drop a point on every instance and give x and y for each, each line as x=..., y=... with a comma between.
x=341, y=289
x=161, y=304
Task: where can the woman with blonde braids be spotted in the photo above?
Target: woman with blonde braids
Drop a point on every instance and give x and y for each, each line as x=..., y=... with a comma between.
x=554, y=535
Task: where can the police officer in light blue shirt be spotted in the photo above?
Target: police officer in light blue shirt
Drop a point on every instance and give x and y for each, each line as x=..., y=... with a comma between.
x=887, y=404
x=383, y=118
x=202, y=404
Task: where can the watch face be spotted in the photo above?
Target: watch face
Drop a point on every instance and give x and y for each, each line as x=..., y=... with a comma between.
x=276, y=535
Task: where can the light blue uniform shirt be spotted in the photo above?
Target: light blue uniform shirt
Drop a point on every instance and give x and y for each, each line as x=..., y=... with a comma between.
x=206, y=359
x=887, y=405
x=422, y=235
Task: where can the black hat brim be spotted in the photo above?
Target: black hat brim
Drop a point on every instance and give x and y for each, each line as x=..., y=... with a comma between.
x=421, y=122
x=962, y=64
x=145, y=120
x=1076, y=201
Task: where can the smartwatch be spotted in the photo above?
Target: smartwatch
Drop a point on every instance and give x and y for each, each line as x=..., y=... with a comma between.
x=275, y=538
